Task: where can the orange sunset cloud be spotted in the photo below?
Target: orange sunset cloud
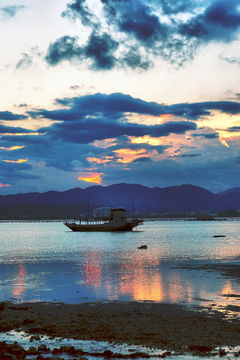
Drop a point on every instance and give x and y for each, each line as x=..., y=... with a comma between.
x=128, y=155
x=92, y=178
x=100, y=161
x=2, y=185
x=12, y=148
x=19, y=161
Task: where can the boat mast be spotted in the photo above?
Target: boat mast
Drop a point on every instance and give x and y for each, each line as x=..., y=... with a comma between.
x=88, y=210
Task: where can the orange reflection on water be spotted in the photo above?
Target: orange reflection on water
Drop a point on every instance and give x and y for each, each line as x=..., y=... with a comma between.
x=93, y=272
x=141, y=283
x=227, y=288
x=19, y=286
x=177, y=289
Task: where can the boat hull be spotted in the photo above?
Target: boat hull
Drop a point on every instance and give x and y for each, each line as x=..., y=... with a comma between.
x=128, y=226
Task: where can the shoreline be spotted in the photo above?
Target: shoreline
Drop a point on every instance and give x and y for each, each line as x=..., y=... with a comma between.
x=163, y=326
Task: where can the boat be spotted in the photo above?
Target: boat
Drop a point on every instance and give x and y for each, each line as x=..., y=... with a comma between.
x=116, y=222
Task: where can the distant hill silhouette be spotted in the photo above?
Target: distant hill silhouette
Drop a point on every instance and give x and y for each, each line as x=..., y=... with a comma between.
x=233, y=190
x=71, y=203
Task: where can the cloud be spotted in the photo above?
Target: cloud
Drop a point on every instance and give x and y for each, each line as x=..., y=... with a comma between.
x=142, y=160
x=134, y=60
x=7, y=115
x=174, y=7
x=99, y=49
x=116, y=104
x=100, y=133
x=21, y=105
x=188, y=155
x=140, y=22
x=10, y=11
x=65, y=48
x=219, y=22
x=207, y=136
x=13, y=130
x=233, y=129
x=91, y=129
x=231, y=60
x=25, y=62
x=79, y=9
x=137, y=32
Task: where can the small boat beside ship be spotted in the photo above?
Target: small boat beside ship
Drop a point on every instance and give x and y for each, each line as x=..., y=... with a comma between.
x=116, y=222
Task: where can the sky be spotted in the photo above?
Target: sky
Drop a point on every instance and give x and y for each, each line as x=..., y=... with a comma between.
x=99, y=92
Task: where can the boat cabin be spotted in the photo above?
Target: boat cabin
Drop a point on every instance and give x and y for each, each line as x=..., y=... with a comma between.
x=118, y=214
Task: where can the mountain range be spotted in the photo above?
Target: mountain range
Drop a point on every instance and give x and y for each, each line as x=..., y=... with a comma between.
x=69, y=204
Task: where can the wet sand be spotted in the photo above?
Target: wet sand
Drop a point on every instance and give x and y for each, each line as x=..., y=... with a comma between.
x=156, y=325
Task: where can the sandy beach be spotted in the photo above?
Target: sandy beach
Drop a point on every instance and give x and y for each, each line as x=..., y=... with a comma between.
x=157, y=325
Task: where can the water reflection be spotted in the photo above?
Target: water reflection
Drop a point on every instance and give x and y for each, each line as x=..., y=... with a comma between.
x=74, y=267
x=140, y=282
x=19, y=285
x=93, y=271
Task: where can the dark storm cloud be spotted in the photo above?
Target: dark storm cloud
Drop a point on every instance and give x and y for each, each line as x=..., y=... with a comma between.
x=7, y=115
x=142, y=24
x=196, y=110
x=134, y=60
x=12, y=130
x=138, y=24
x=173, y=7
x=188, y=155
x=132, y=146
x=65, y=48
x=99, y=49
x=14, y=166
x=142, y=160
x=63, y=102
x=79, y=9
x=111, y=105
x=116, y=104
x=10, y=172
x=207, y=136
x=93, y=129
x=11, y=11
x=219, y=22
x=67, y=144
x=233, y=129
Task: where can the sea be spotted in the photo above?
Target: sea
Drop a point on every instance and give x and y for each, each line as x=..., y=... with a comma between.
x=45, y=261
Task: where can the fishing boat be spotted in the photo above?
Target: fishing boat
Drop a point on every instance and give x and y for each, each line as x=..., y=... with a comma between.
x=116, y=222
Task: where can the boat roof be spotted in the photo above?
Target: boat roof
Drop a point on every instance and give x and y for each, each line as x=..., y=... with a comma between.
x=117, y=209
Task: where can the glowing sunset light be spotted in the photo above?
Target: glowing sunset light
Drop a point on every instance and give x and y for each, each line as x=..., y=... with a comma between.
x=24, y=134
x=2, y=185
x=93, y=271
x=164, y=117
x=223, y=141
x=105, y=143
x=128, y=155
x=92, y=178
x=100, y=161
x=20, y=287
x=19, y=161
x=146, y=140
x=12, y=148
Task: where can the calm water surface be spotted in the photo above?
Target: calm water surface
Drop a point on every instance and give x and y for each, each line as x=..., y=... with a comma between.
x=45, y=261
